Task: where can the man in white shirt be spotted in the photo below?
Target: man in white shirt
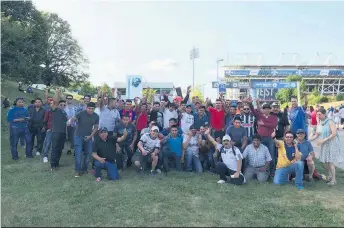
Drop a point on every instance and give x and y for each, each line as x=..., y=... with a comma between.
x=109, y=116
x=169, y=113
x=231, y=160
x=341, y=114
x=187, y=119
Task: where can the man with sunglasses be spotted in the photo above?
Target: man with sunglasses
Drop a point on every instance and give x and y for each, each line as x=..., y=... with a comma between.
x=86, y=128
x=148, y=151
x=289, y=161
x=58, y=137
x=70, y=109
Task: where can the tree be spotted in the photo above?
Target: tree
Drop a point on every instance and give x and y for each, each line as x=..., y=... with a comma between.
x=106, y=89
x=197, y=91
x=284, y=95
x=149, y=93
x=22, y=46
x=63, y=61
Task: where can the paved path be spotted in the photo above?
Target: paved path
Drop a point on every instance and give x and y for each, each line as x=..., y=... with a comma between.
x=317, y=149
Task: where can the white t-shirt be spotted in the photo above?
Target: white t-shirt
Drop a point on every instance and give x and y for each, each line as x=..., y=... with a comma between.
x=186, y=121
x=149, y=144
x=168, y=115
x=341, y=113
x=193, y=144
x=109, y=118
x=228, y=157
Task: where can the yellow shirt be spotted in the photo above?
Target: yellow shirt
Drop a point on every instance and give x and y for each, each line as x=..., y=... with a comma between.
x=283, y=160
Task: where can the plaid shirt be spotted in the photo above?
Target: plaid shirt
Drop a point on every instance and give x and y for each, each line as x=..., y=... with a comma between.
x=257, y=157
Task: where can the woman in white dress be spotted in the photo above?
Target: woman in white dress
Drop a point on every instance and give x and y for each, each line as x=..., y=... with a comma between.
x=331, y=150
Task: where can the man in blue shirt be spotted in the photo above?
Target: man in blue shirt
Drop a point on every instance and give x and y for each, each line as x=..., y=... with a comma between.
x=201, y=118
x=173, y=149
x=306, y=149
x=18, y=118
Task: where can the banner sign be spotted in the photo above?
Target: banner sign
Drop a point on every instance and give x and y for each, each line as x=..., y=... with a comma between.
x=134, y=86
x=222, y=88
x=239, y=85
x=274, y=85
x=285, y=72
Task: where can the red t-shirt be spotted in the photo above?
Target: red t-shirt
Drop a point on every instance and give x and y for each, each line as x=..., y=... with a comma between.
x=142, y=120
x=314, y=118
x=217, y=119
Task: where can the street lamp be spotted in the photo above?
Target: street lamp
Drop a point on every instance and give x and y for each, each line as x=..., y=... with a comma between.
x=194, y=54
x=217, y=73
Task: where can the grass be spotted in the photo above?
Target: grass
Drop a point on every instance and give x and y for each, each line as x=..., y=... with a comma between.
x=34, y=196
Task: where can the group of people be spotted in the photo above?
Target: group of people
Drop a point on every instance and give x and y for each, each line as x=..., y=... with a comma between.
x=236, y=140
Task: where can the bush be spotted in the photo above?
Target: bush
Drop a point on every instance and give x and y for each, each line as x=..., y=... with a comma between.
x=340, y=97
x=323, y=99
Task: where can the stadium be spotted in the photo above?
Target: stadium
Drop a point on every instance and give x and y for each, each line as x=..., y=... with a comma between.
x=326, y=78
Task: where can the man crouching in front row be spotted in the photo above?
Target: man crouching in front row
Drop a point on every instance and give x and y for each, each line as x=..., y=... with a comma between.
x=105, y=155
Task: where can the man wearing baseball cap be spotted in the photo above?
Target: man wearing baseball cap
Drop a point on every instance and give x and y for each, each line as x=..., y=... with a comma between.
x=231, y=160
x=104, y=154
x=148, y=151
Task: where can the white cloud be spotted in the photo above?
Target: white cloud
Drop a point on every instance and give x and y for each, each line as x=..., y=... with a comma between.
x=161, y=65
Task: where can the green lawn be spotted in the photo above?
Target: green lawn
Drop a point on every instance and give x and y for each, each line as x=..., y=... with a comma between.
x=34, y=196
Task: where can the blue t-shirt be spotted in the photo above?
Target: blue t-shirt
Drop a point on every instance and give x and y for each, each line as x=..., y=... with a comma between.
x=305, y=148
x=17, y=113
x=175, y=145
x=290, y=151
x=165, y=132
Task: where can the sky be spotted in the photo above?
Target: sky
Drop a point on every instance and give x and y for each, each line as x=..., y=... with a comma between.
x=153, y=39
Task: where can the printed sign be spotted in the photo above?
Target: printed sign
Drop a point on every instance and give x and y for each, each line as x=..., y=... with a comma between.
x=134, y=86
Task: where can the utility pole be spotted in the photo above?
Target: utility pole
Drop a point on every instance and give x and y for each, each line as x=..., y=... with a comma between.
x=217, y=73
x=194, y=54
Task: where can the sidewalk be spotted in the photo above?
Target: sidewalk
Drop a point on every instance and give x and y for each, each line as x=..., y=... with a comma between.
x=317, y=149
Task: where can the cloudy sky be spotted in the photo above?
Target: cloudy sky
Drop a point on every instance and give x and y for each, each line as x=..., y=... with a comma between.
x=153, y=39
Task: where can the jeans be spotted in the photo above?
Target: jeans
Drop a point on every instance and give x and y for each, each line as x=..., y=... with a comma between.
x=47, y=143
x=223, y=171
x=122, y=157
x=282, y=174
x=57, y=141
x=110, y=167
x=192, y=161
x=36, y=132
x=167, y=154
x=81, y=145
x=269, y=143
x=15, y=134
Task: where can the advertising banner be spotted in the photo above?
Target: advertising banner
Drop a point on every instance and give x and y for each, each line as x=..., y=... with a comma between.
x=134, y=86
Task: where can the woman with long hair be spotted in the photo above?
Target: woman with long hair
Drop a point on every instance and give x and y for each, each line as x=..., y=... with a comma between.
x=331, y=150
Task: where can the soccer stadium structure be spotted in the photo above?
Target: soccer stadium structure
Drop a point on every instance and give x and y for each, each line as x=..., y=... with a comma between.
x=326, y=78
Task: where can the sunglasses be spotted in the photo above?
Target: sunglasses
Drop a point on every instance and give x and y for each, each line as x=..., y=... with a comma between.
x=246, y=109
x=225, y=140
x=69, y=98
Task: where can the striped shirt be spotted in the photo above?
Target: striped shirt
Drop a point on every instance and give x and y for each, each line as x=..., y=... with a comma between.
x=248, y=121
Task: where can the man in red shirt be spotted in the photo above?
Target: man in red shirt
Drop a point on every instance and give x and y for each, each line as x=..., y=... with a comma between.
x=48, y=124
x=314, y=121
x=217, y=119
x=266, y=126
x=128, y=111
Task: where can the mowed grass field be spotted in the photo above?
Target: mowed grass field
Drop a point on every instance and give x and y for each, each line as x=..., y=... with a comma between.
x=32, y=195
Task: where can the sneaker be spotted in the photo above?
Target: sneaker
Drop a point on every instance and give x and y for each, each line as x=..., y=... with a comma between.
x=221, y=182
x=77, y=174
x=69, y=152
x=158, y=171
x=45, y=160
x=98, y=179
x=38, y=153
x=300, y=187
x=153, y=172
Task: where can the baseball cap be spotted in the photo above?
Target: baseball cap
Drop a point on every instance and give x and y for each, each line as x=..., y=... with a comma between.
x=155, y=128
x=188, y=106
x=300, y=131
x=226, y=137
x=275, y=104
x=266, y=105
x=102, y=130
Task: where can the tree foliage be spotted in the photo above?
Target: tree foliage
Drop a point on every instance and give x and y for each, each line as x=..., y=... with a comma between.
x=284, y=95
x=84, y=88
x=38, y=47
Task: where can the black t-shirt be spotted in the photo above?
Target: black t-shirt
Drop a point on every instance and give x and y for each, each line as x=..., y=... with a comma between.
x=157, y=117
x=86, y=123
x=119, y=129
x=282, y=122
x=105, y=149
x=59, y=120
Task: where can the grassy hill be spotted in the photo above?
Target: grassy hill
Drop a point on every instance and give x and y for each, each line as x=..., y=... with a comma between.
x=34, y=196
